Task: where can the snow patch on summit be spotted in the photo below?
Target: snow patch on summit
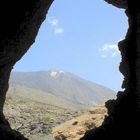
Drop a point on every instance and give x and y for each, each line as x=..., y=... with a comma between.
x=56, y=73
x=53, y=74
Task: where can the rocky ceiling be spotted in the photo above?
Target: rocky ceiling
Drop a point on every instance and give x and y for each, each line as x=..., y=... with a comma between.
x=20, y=22
x=118, y=3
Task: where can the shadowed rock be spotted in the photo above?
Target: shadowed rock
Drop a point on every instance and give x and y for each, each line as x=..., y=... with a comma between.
x=20, y=22
x=118, y=3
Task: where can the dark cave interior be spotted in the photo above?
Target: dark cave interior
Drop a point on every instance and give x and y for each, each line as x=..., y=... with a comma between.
x=17, y=35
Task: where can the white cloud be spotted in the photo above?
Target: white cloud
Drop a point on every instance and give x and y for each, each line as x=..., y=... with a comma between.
x=59, y=31
x=109, y=50
x=53, y=21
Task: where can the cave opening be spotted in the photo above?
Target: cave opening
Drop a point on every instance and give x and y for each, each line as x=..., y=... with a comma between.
x=107, y=51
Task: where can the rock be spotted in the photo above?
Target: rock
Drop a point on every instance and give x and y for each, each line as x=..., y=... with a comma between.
x=75, y=123
x=98, y=110
x=118, y=3
x=74, y=129
x=35, y=120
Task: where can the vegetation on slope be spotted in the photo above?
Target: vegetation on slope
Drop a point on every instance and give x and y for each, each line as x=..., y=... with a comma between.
x=34, y=119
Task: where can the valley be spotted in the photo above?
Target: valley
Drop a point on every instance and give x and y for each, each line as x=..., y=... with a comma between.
x=39, y=102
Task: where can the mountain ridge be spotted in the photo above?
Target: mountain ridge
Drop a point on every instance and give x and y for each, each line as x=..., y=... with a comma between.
x=61, y=71
x=59, y=86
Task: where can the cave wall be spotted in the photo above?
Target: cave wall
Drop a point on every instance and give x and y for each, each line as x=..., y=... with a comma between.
x=124, y=112
x=20, y=22
x=118, y=3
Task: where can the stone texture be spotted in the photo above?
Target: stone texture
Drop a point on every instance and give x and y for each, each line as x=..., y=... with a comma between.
x=124, y=113
x=75, y=129
x=20, y=22
x=118, y=3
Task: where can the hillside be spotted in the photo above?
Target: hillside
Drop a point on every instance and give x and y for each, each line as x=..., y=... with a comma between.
x=39, y=121
x=75, y=128
x=35, y=120
x=38, y=102
x=58, y=88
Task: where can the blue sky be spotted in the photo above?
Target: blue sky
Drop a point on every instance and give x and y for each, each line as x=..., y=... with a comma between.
x=80, y=37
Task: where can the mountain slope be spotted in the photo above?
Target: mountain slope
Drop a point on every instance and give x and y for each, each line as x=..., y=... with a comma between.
x=58, y=88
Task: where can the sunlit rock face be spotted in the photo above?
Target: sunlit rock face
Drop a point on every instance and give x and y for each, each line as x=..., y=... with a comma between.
x=118, y=3
x=75, y=128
